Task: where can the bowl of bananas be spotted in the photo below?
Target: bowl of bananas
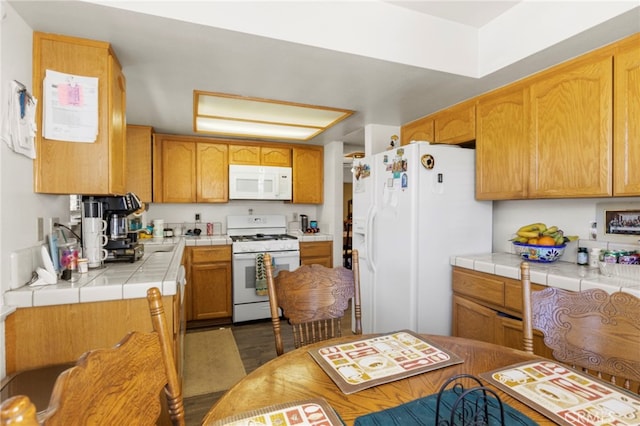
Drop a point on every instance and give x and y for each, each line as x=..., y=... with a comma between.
x=538, y=243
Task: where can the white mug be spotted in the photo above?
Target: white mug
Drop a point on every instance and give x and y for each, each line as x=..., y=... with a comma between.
x=95, y=240
x=95, y=256
x=94, y=224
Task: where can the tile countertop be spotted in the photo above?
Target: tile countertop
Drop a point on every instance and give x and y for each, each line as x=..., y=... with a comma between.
x=566, y=275
x=120, y=280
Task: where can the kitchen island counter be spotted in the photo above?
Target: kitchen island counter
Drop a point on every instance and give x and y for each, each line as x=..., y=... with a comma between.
x=115, y=281
x=565, y=275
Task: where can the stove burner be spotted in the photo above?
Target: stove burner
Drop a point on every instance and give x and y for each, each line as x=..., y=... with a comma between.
x=262, y=237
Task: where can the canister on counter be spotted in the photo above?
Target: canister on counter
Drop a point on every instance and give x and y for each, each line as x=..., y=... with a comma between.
x=594, y=257
x=583, y=256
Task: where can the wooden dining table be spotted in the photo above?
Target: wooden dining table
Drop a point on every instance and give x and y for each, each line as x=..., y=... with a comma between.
x=296, y=376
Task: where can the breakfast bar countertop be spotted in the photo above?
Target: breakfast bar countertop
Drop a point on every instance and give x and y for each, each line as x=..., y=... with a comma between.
x=119, y=280
x=560, y=274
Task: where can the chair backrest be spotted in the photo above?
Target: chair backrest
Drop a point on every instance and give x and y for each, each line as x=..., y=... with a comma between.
x=119, y=385
x=314, y=299
x=590, y=329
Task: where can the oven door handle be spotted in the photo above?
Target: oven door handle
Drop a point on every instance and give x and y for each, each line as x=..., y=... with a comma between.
x=274, y=254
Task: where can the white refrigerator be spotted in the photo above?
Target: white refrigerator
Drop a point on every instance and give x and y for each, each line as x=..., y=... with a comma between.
x=413, y=208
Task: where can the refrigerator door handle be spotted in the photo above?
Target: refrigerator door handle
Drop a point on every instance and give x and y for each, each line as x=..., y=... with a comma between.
x=369, y=239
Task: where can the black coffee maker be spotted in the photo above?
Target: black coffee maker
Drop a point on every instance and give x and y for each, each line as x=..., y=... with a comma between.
x=121, y=244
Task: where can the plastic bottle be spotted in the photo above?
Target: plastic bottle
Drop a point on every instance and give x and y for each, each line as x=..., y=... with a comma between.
x=594, y=257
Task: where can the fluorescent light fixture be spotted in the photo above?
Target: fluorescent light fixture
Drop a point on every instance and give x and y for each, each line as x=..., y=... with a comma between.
x=232, y=115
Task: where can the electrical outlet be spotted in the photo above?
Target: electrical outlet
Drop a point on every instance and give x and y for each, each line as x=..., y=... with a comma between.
x=197, y=217
x=50, y=225
x=40, y=229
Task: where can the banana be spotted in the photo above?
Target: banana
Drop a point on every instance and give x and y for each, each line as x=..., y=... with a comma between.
x=559, y=239
x=550, y=231
x=519, y=239
x=540, y=227
x=528, y=234
x=569, y=238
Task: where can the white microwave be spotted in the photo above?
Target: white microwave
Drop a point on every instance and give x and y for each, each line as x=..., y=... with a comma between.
x=259, y=182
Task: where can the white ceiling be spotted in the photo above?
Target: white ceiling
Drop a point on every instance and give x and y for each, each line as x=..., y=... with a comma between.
x=391, y=62
x=473, y=13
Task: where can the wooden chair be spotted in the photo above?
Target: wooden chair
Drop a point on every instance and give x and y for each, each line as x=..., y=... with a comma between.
x=116, y=386
x=592, y=330
x=314, y=299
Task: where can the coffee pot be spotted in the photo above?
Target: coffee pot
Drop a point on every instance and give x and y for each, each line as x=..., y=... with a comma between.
x=304, y=222
x=118, y=228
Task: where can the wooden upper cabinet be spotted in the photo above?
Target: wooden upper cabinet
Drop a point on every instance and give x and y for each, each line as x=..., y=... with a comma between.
x=189, y=170
x=308, y=172
x=502, y=146
x=626, y=139
x=174, y=170
x=212, y=175
x=259, y=155
x=64, y=167
x=275, y=156
x=418, y=130
x=571, y=130
x=139, y=161
x=244, y=154
x=456, y=124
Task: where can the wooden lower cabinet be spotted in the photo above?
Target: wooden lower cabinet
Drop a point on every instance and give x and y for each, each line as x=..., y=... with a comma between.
x=472, y=321
x=488, y=307
x=209, y=283
x=317, y=252
x=48, y=335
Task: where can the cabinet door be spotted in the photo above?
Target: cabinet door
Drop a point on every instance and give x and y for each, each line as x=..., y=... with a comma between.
x=117, y=129
x=456, y=124
x=509, y=333
x=418, y=130
x=273, y=156
x=317, y=252
x=63, y=167
x=178, y=171
x=244, y=154
x=571, y=131
x=212, y=173
x=502, y=154
x=308, y=175
x=139, y=161
x=626, y=140
x=211, y=292
x=473, y=321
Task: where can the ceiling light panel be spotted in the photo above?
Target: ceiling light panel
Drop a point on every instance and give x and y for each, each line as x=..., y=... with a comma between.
x=242, y=116
x=254, y=129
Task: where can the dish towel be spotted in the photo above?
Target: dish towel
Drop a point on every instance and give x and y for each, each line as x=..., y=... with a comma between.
x=423, y=411
x=261, y=276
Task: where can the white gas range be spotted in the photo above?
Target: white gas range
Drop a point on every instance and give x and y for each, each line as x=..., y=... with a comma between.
x=252, y=235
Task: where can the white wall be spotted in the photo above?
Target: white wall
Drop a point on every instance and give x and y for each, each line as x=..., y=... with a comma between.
x=19, y=205
x=331, y=211
x=178, y=213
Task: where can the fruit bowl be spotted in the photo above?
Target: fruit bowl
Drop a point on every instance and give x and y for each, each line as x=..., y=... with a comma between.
x=538, y=253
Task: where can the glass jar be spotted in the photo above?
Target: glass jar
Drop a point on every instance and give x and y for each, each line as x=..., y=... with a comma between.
x=583, y=256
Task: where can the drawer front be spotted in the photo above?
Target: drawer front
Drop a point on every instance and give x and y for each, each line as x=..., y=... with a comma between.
x=211, y=254
x=315, y=249
x=479, y=287
x=513, y=294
